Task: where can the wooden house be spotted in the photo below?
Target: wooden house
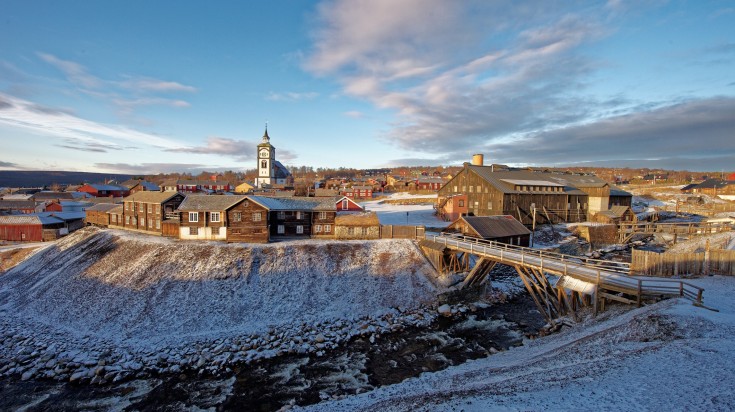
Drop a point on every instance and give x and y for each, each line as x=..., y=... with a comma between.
x=529, y=195
x=99, y=215
x=429, y=183
x=139, y=185
x=357, y=226
x=9, y=207
x=38, y=227
x=147, y=210
x=452, y=207
x=500, y=228
x=244, y=188
x=345, y=204
x=358, y=192
x=298, y=217
x=615, y=215
x=104, y=190
x=229, y=218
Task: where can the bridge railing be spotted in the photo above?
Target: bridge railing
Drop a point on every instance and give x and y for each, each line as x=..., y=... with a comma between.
x=614, y=275
x=618, y=267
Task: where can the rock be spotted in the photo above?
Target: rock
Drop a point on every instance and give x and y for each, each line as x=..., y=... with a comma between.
x=78, y=375
x=27, y=375
x=319, y=338
x=445, y=310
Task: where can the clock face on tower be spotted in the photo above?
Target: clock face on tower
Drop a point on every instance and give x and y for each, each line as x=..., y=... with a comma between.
x=264, y=153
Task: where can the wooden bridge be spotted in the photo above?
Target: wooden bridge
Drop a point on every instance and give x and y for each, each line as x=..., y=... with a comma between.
x=580, y=281
x=686, y=229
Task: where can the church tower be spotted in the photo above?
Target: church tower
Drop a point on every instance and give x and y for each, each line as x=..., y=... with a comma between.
x=266, y=159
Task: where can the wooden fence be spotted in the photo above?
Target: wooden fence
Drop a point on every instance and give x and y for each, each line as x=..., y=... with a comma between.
x=667, y=264
x=402, y=232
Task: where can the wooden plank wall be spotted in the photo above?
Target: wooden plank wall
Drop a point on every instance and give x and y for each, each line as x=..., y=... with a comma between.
x=402, y=232
x=717, y=261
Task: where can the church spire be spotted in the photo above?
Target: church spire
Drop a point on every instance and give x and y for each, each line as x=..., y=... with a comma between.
x=266, y=138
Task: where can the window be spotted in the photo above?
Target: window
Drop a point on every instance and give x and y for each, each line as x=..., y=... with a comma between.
x=299, y=229
x=214, y=216
x=477, y=205
x=489, y=205
x=364, y=231
x=281, y=229
x=464, y=188
x=317, y=228
x=150, y=208
x=461, y=203
x=134, y=221
x=193, y=231
x=281, y=215
x=193, y=217
x=299, y=215
x=471, y=189
x=350, y=230
x=141, y=207
x=127, y=220
x=455, y=189
x=327, y=228
x=158, y=223
x=257, y=216
x=345, y=204
x=479, y=189
x=150, y=223
x=127, y=205
x=322, y=215
x=142, y=221
x=236, y=216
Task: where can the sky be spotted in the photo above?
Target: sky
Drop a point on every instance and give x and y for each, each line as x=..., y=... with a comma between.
x=145, y=87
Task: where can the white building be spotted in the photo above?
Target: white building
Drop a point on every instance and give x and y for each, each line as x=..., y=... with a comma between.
x=270, y=170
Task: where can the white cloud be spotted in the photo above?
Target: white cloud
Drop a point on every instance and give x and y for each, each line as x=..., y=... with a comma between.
x=291, y=96
x=25, y=115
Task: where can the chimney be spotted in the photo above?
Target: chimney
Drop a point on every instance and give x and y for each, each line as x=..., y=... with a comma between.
x=478, y=159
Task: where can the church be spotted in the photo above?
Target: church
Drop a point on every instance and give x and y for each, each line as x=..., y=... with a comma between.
x=270, y=171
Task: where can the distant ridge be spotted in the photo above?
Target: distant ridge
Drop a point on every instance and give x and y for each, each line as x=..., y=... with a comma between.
x=15, y=178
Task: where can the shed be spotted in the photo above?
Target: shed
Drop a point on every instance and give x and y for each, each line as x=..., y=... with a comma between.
x=345, y=204
x=616, y=214
x=363, y=225
x=499, y=228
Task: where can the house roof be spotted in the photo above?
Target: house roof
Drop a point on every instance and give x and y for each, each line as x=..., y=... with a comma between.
x=57, y=195
x=280, y=170
x=99, y=186
x=29, y=219
x=491, y=227
x=206, y=202
x=17, y=204
x=714, y=184
x=151, y=197
x=103, y=207
x=690, y=186
x=305, y=204
x=357, y=219
x=325, y=192
x=616, y=191
x=615, y=211
x=505, y=180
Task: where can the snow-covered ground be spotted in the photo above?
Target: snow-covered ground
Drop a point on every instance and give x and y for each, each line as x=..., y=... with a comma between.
x=128, y=298
x=666, y=356
x=409, y=214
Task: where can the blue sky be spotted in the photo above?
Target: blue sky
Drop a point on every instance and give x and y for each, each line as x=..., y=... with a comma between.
x=150, y=87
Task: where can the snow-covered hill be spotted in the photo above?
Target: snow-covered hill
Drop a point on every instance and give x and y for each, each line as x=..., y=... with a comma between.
x=113, y=291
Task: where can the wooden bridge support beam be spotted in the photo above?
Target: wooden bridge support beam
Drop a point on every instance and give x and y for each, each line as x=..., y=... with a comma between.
x=479, y=274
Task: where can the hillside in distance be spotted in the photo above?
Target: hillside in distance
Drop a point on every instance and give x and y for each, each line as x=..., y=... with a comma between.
x=39, y=178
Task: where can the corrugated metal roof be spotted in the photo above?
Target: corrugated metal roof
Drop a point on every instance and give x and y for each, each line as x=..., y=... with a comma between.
x=208, y=203
x=151, y=197
x=103, y=207
x=490, y=227
x=532, y=182
x=305, y=204
x=17, y=204
x=99, y=187
x=30, y=219
x=501, y=179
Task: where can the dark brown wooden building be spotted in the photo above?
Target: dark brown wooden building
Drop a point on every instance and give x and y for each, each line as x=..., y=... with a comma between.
x=501, y=228
x=146, y=211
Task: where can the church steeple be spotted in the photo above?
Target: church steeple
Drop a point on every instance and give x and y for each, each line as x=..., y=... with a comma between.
x=266, y=138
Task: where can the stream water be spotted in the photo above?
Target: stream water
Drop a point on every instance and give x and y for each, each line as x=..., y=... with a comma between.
x=358, y=366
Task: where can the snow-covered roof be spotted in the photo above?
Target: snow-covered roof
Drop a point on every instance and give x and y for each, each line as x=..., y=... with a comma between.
x=151, y=197
x=206, y=202
x=305, y=204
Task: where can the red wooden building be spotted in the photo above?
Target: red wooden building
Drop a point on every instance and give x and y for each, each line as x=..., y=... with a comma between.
x=101, y=190
x=345, y=204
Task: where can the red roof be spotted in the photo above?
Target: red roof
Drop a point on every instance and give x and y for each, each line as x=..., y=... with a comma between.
x=731, y=176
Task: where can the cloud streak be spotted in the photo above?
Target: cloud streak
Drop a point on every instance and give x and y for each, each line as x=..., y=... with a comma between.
x=26, y=115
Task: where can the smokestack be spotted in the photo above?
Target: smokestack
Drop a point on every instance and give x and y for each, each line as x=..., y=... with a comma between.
x=478, y=159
